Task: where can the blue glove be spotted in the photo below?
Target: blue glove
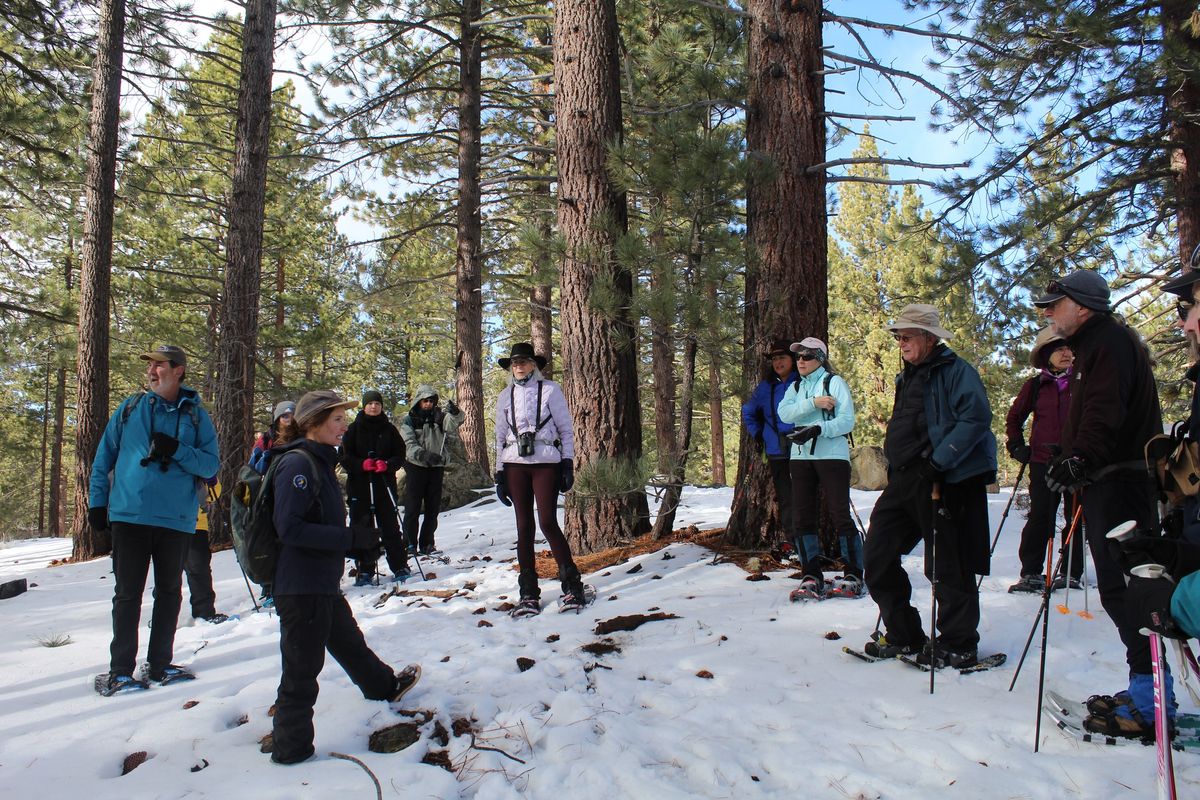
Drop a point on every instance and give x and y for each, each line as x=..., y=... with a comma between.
x=566, y=475
x=502, y=488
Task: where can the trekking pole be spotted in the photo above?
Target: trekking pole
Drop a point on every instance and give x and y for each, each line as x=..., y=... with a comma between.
x=862, y=529
x=1045, y=597
x=396, y=508
x=246, y=578
x=374, y=520
x=1004, y=517
x=1065, y=606
x=938, y=510
x=1037, y=726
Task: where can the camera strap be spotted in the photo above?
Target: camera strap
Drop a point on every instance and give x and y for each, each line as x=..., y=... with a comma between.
x=538, y=422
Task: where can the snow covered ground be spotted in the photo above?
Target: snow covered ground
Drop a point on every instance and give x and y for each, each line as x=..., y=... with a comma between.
x=785, y=713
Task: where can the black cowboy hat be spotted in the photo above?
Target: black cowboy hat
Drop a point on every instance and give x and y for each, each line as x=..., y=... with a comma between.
x=522, y=350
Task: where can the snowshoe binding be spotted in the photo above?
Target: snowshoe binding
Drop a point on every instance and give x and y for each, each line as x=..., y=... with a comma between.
x=526, y=607
x=108, y=684
x=850, y=586
x=811, y=588
x=171, y=673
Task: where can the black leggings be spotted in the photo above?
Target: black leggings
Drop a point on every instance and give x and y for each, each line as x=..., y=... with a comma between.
x=528, y=483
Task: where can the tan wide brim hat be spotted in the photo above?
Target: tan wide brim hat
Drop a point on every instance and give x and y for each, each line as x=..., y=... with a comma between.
x=314, y=403
x=1042, y=346
x=921, y=316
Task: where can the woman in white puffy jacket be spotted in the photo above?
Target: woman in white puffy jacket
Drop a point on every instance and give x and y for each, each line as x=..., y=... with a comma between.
x=535, y=448
x=822, y=409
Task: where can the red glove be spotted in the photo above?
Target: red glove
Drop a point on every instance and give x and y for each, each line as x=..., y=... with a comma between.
x=380, y=465
x=368, y=465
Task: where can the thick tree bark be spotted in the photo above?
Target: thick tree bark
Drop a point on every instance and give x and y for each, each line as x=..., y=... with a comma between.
x=786, y=222
x=664, y=523
x=541, y=294
x=243, y=265
x=96, y=270
x=716, y=418
x=599, y=354
x=468, y=327
x=280, y=287
x=1183, y=103
x=662, y=353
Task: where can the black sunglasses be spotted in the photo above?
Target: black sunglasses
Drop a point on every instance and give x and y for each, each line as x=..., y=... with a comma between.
x=809, y=356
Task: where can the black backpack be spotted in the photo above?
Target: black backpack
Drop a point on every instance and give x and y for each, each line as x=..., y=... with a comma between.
x=251, y=515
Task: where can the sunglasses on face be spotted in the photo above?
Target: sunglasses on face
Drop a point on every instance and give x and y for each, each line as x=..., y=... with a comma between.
x=1183, y=308
x=808, y=356
x=905, y=338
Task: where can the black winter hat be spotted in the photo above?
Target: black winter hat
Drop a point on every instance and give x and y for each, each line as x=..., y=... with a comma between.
x=522, y=350
x=372, y=396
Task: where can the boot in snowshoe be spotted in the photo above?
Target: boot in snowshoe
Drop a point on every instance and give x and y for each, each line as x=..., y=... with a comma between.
x=939, y=655
x=366, y=579
x=108, y=684
x=526, y=607
x=847, y=586
x=880, y=647
x=811, y=588
x=1061, y=583
x=576, y=599
x=1108, y=703
x=1125, y=722
x=1029, y=584
x=171, y=673
x=405, y=679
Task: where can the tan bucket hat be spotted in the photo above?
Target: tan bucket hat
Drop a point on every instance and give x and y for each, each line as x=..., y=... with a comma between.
x=314, y=403
x=921, y=316
x=1045, y=337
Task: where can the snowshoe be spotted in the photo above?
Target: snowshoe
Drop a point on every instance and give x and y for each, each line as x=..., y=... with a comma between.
x=218, y=618
x=850, y=586
x=880, y=647
x=811, y=588
x=526, y=607
x=576, y=601
x=937, y=656
x=401, y=577
x=1108, y=703
x=108, y=684
x=963, y=667
x=171, y=673
x=366, y=579
x=1118, y=725
x=1061, y=583
x=434, y=554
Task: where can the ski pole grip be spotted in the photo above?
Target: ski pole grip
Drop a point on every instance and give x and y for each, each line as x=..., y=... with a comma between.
x=1148, y=571
x=1123, y=532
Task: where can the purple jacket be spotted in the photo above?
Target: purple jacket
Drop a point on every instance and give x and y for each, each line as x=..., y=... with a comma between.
x=517, y=407
x=1049, y=416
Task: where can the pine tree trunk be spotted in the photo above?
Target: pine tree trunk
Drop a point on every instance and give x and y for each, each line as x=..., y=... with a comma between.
x=664, y=523
x=44, y=460
x=598, y=343
x=787, y=291
x=243, y=266
x=57, y=504
x=91, y=410
x=1184, y=108
x=468, y=328
x=716, y=414
x=280, y=287
x=541, y=294
x=662, y=352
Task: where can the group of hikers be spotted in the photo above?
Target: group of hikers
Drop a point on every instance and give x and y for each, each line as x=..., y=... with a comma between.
x=154, y=476
x=1094, y=408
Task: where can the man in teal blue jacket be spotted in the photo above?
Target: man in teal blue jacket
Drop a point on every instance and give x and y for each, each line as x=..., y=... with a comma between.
x=941, y=456
x=157, y=449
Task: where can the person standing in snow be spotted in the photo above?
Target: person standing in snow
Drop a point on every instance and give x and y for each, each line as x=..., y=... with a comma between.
x=197, y=565
x=941, y=456
x=314, y=617
x=260, y=454
x=760, y=415
x=1114, y=412
x=427, y=431
x=535, y=448
x=371, y=454
x=1046, y=396
x=156, y=447
x=821, y=408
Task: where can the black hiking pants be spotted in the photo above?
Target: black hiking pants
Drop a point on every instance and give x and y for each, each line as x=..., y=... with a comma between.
x=135, y=549
x=1040, y=525
x=310, y=624
x=384, y=518
x=197, y=565
x=422, y=494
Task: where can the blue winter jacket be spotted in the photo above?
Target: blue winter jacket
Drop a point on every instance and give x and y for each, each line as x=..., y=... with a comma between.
x=797, y=408
x=959, y=417
x=760, y=414
x=148, y=495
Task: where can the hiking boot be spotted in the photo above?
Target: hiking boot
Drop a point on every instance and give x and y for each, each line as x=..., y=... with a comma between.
x=1108, y=703
x=526, y=607
x=880, y=647
x=401, y=576
x=215, y=619
x=577, y=598
x=1061, y=583
x=405, y=679
x=940, y=656
x=847, y=586
x=1031, y=584
x=109, y=684
x=171, y=673
x=811, y=588
x=365, y=579
x=1126, y=722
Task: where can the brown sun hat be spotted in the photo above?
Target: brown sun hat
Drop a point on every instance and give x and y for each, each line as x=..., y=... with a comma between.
x=1047, y=342
x=314, y=403
x=921, y=316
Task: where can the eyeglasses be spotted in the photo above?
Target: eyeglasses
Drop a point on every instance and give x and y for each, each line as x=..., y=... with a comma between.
x=519, y=361
x=1183, y=308
x=905, y=338
x=808, y=356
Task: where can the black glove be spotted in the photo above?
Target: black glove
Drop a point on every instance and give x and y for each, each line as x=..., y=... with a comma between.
x=566, y=475
x=1067, y=474
x=1176, y=557
x=805, y=433
x=502, y=488
x=98, y=518
x=1148, y=605
x=394, y=463
x=364, y=537
x=1020, y=452
x=436, y=460
x=452, y=408
x=162, y=447
x=930, y=471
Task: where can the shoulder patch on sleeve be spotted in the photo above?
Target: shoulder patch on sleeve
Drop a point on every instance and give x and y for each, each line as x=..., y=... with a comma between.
x=300, y=481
